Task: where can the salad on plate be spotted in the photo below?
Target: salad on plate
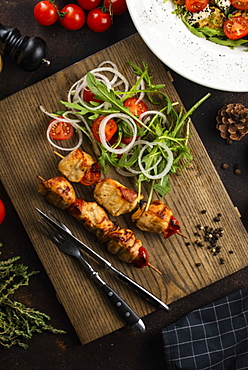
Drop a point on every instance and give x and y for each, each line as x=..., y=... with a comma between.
x=223, y=22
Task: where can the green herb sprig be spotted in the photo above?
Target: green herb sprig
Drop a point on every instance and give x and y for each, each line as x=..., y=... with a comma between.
x=18, y=322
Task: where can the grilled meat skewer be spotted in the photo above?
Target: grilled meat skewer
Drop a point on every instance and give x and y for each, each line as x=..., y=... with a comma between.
x=116, y=198
x=157, y=219
x=121, y=242
x=78, y=166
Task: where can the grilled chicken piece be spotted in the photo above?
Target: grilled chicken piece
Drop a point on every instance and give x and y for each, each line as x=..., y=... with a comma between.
x=75, y=165
x=93, y=217
x=123, y=243
x=58, y=191
x=155, y=220
x=116, y=198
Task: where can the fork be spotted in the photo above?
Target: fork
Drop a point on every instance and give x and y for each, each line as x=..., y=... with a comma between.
x=66, y=246
x=139, y=289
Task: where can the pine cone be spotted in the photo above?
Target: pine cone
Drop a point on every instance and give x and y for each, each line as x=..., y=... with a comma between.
x=232, y=121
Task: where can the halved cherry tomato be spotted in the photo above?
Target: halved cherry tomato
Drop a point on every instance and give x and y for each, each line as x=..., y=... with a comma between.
x=2, y=211
x=196, y=5
x=110, y=129
x=88, y=96
x=89, y=4
x=236, y=27
x=136, y=107
x=92, y=176
x=116, y=7
x=61, y=130
x=46, y=13
x=240, y=4
x=98, y=20
x=73, y=17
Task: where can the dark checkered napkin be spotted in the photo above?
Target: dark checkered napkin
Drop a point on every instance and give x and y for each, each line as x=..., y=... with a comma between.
x=214, y=337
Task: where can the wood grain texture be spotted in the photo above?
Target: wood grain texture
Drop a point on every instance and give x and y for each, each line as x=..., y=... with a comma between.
x=25, y=153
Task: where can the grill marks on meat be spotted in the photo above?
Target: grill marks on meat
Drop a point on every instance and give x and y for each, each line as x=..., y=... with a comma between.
x=155, y=220
x=116, y=198
x=121, y=242
x=93, y=218
x=75, y=165
x=58, y=191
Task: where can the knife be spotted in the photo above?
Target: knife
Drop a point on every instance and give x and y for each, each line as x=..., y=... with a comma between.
x=69, y=248
x=131, y=283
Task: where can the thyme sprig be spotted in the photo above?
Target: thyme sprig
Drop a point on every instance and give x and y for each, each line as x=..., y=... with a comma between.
x=18, y=322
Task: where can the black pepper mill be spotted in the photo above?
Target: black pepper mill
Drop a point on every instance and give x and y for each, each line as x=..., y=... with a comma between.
x=28, y=52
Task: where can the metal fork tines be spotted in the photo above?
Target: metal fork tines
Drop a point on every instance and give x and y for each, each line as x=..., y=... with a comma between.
x=67, y=246
x=139, y=289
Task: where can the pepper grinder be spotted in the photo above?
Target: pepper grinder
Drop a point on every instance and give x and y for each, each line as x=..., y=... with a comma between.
x=28, y=52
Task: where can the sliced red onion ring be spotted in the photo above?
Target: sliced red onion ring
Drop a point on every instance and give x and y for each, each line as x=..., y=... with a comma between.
x=131, y=124
x=168, y=165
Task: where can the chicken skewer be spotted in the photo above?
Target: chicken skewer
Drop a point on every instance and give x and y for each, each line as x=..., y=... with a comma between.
x=121, y=242
x=116, y=198
x=157, y=219
x=79, y=166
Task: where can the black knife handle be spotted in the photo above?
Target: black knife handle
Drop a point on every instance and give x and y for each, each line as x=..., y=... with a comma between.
x=127, y=313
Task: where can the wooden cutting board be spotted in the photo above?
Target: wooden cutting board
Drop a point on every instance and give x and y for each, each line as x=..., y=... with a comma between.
x=25, y=153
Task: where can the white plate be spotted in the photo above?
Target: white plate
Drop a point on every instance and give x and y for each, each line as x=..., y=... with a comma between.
x=194, y=58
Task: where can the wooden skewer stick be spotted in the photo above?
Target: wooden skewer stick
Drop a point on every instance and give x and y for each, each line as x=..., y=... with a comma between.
x=41, y=178
x=183, y=236
x=154, y=268
x=58, y=154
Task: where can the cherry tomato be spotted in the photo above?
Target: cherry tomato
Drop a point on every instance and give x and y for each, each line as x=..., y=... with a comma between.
x=136, y=107
x=110, y=129
x=92, y=176
x=2, y=211
x=46, y=13
x=89, y=4
x=236, y=27
x=61, y=130
x=116, y=7
x=240, y=4
x=88, y=96
x=142, y=260
x=73, y=17
x=196, y=5
x=98, y=21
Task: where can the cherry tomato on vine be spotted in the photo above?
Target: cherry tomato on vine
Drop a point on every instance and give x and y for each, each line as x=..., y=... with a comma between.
x=196, y=5
x=89, y=4
x=236, y=28
x=98, y=20
x=116, y=7
x=136, y=107
x=240, y=4
x=46, y=13
x=88, y=96
x=73, y=17
x=110, y=129
x=61, y=130
x=2, y=211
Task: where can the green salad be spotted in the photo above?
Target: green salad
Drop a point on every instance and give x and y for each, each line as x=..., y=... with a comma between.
x=223, y=22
